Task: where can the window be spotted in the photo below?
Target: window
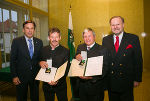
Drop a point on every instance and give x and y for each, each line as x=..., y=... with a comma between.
x=9, y=30
x=11, y=20
x=37, y=30
x=25, y=1
x=40, y=4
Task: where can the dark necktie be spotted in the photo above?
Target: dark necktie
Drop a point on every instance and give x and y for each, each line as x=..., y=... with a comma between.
x=88, y=48
x=117, y=44
x=30, y=48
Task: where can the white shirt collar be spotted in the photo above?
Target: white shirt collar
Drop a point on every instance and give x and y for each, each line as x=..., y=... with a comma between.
x=55, y=47
x=28, y=38
x=120, y=37
x=91, y=45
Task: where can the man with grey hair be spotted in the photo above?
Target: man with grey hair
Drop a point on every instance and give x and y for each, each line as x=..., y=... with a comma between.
x=92, y=88
x=126, y=70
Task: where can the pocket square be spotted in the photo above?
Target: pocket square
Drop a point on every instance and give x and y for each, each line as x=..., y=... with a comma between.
x=129, y=46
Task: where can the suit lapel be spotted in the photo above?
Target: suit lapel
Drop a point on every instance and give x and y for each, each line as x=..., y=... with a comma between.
x=35, y=46
x=112, y=45
x=85, y=47
x=25, y=46
x=122, y=44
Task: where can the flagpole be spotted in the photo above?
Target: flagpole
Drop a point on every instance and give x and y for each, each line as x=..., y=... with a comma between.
x=70, y=8
x=71, y=46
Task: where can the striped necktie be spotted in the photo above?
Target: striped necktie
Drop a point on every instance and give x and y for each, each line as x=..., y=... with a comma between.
x=30, y=48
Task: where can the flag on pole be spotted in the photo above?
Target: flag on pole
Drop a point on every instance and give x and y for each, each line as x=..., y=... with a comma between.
x=71, y=43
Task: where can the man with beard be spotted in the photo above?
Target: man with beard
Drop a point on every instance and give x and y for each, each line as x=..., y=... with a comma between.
x=126, y=69
x=59, y=55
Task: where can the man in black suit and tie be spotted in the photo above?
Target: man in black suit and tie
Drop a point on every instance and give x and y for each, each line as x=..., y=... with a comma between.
x=24, y=59
x=92, y=88
x=126, y=66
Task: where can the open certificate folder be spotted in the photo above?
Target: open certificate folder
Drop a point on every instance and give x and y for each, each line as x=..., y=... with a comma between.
x=54, y=75
x=92, y=67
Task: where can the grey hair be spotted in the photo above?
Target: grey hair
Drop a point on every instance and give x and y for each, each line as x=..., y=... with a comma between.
x=87, y=30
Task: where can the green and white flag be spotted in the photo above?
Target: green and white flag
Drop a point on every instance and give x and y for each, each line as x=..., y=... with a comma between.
x=71, y=43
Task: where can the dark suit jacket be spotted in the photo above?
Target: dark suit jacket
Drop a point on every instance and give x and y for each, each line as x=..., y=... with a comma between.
x=96, y=84
x=126, y=63
x=20, y=61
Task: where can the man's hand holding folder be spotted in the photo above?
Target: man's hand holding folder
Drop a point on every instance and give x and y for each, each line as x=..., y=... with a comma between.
x=92, y=67
x=52, y=77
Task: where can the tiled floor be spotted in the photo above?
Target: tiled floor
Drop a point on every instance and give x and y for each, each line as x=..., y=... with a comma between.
x=142, y=93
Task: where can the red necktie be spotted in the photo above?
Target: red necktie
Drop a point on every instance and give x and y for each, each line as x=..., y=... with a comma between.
x=117, y=44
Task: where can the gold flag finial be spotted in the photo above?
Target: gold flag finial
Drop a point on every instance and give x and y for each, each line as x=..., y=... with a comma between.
x=70, y=8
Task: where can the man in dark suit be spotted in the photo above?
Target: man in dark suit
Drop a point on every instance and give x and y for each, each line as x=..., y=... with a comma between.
x=126, y=69
x=59, y=55
x=24, y=60
x=92, y=88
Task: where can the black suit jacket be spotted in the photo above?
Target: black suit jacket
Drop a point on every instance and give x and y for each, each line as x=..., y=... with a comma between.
x=96, y=84
x=126, y=66
x=20, y=61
